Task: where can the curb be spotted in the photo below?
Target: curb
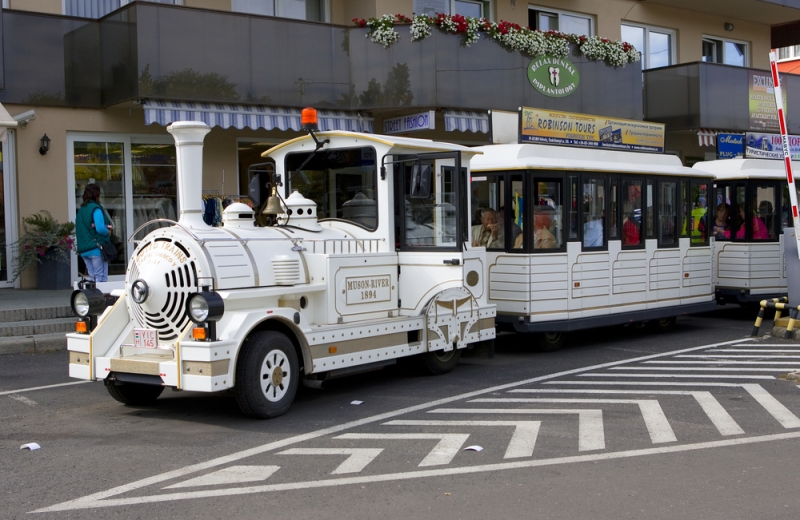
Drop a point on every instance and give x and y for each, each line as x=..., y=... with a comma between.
x=33, y=344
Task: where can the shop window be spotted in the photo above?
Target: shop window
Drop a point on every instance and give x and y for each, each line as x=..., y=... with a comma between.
x=716, y=50
x=667, y=213
x=593, y=213
x=546, y=19
x=631, y=195
x=655, y=44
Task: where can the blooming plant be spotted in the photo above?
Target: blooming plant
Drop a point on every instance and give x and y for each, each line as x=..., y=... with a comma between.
x=528, y=41
x=44, y=237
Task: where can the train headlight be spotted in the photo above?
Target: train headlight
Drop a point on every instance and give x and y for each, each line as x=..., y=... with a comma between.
x=88, y=302
x=204, y=307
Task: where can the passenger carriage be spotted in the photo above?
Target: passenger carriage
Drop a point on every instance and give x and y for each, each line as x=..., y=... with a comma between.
x=623, y=241
x=747, y=245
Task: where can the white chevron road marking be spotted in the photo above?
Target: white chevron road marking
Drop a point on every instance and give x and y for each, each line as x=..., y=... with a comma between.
x=229, y=475
x=357, y=459
x=716, y=413
x=654, y=419
x=447, y=448
x=522, y=440
x=591, y=434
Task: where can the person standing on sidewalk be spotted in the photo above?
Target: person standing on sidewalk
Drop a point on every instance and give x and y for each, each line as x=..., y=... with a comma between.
x=92, y=230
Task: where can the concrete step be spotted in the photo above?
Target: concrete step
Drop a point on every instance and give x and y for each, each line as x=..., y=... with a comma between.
x=35, y=313
x=34, y=327
x=33, y=343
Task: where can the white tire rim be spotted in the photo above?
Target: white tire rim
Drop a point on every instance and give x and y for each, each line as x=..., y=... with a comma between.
x=275, y=376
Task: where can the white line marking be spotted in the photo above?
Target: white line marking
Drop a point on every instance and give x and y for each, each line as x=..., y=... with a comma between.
x=389, y=477
x=729, y=356
x=43, y=387
x=788, y=345
x=704, y=376
x=23, y=399
x=99, y=499
x=654, y=419
x=229, y=475
x=443, y=453
x=751, y=350
x=643, y=383
x=773, y=406
x=357, y=460
x=591, y=435
x=781, y=363
x=715, y=411
x=522, y=441
x=743, y=369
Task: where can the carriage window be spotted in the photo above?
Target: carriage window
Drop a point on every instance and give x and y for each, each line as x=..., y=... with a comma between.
x=764, y=216
x=548, y=221
x=573, y=207
x=631, y=212
x=720, y=216
x=613, y=232
x=786, y=207
x=667, y=213
x=431, y=206
x=686, y=208
x=738, y=221
x=698, y=220
x=487, y=200
x=512, y=213
x=341, y=182
x=650, y=209
x=593, y=214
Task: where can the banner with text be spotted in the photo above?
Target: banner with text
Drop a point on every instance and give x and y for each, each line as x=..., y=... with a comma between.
x=566, y=128
x=761, y=97
x=770, y=146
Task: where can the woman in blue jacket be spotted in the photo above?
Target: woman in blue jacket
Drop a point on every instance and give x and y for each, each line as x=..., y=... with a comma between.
x=92, y=230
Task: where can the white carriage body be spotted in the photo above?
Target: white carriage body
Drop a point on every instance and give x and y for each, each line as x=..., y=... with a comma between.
x=575, y=288
x=344, y=294
x=747, y=270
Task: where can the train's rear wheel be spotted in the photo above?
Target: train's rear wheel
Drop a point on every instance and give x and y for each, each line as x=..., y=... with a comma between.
x=439, y=362
x=267, y=375
x=550, y=341
x=664, y=324
x=133, y=393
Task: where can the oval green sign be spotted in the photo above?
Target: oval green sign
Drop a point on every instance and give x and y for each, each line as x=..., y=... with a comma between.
x=553, y=77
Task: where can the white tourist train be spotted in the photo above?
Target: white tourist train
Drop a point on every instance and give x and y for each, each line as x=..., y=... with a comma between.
x=590, y=237
x=747, y=211
x=359, y=261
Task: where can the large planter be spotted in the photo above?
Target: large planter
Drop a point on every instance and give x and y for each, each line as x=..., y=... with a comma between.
x=52, y=274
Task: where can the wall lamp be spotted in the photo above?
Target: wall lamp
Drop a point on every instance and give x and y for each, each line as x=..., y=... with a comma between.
x=728, y=26
x=45, y=141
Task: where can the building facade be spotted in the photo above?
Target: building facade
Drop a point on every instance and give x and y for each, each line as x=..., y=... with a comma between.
x=102, y=79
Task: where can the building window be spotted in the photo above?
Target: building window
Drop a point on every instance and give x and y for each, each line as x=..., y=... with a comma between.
x=729, y=52
x=313, y=10
x=655, y=44
x=789, y=53
x=471, y=8
x=563, y=21
x=100, y=8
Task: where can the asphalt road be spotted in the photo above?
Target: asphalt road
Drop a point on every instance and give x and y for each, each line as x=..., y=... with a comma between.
x=622, y=423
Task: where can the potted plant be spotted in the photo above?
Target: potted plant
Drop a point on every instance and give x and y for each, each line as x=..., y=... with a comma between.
x=46, y=242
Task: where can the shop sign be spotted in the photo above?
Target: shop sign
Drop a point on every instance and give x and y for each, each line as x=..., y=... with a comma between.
x=770, y=146
x=761, y=96
x=730, y=146
x=566, y=128
x=410, y=123
x=553, y=77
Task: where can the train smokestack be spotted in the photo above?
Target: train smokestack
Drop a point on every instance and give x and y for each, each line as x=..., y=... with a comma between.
x=189, y=137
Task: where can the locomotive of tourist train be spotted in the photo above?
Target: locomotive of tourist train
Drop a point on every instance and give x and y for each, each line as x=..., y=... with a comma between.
x=360, y=257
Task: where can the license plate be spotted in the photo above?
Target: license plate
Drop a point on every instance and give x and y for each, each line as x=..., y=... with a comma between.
x=145, y=338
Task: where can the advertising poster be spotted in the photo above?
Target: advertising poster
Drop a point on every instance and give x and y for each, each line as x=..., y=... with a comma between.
x=570, y=129
x=769, y=146
x=730, y=146
x=761, y=96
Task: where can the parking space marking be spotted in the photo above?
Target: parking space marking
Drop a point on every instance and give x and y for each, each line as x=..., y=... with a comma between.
x=522, y=440
x=773, y=406
x=688, y=369
x=22, y=399
x=654, y=419
x=229, y=475
x=700, y=376
x=729, y=356
x=725, y=362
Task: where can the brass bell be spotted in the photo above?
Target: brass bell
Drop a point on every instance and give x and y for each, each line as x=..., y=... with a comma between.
x=273, y=206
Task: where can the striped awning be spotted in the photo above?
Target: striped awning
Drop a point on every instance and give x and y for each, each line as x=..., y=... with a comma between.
x=226, y=115
x=708, y=136
x=466, y=121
